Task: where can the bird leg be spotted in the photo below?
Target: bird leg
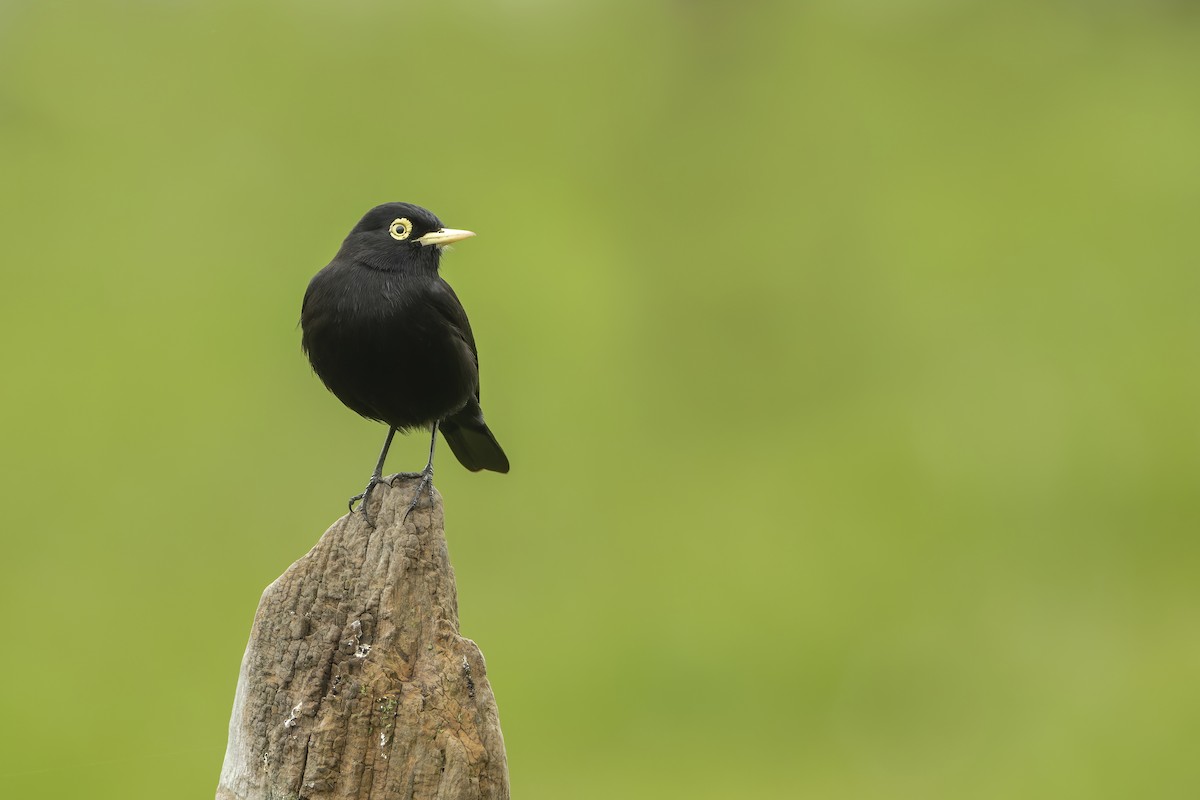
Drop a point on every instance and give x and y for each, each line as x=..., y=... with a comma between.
x=426, y=475
x=376, y=479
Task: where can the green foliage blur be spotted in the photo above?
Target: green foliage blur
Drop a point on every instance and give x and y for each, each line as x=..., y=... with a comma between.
x=846, y=354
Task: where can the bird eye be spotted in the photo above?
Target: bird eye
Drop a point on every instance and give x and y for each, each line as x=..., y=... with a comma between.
x=400, y=229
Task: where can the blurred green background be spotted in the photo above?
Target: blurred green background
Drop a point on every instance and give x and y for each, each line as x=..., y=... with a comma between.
x=845, y=352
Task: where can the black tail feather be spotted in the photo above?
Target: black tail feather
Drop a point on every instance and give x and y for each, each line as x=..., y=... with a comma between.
x=474, y=446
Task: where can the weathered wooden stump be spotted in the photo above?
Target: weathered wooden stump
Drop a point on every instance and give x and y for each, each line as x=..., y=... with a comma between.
x=356, y=682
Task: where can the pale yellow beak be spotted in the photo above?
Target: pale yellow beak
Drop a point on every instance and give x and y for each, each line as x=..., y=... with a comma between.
x=444, y=236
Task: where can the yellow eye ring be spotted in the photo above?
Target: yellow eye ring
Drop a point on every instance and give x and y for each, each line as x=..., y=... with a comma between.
x=400, y=229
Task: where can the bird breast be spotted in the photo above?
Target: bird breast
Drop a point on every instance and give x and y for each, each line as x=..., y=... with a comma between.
x=388, y=353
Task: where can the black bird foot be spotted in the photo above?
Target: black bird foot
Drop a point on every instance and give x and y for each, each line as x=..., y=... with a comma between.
x=426, y=486
x=365, y=496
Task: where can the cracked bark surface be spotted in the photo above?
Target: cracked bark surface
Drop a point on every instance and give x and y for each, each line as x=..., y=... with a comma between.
x=356, y=682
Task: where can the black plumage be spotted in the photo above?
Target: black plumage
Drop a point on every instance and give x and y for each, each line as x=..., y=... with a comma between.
x=391, y=340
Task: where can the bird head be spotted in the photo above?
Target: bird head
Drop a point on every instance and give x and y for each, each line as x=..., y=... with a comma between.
x=400, y=236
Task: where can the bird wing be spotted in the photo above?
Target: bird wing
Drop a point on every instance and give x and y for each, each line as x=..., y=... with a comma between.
x=446, y=302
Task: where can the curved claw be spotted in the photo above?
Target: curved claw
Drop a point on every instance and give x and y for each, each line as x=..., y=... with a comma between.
x=426, y=485
x=365, y=496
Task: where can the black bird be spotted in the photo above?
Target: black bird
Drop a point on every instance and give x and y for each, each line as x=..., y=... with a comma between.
x=391, y=340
